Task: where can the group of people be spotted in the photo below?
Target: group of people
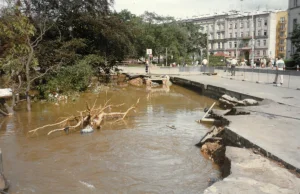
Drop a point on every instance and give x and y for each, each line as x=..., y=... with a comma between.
x=277, y=63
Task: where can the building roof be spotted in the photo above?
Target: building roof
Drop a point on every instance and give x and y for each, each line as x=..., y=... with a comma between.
x=231, y=14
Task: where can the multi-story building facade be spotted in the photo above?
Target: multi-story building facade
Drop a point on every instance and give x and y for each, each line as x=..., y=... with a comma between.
x=293, y=20
x=231, y=34
x=281, y=33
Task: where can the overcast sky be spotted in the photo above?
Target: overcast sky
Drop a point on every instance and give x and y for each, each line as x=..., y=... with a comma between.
x=189, y=8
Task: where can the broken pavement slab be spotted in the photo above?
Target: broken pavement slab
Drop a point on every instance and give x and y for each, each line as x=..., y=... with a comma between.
x=254, y=174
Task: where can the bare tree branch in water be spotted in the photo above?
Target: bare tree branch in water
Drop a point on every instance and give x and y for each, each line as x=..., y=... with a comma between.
x=92, y=116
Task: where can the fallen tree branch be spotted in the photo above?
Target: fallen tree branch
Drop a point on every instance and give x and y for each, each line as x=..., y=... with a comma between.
x=89, y=117
x=50, y=125
x=66, y=129
x=4, y=113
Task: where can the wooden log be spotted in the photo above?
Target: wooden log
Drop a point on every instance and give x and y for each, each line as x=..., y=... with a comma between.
x=208, y=111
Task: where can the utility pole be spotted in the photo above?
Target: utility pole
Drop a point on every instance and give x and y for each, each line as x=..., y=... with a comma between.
x=236, y=48
x=253, y=41
x=207, y=45
x=166, y=57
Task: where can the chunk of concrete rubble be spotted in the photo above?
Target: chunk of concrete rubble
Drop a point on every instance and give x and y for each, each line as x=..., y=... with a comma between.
x=254, y=174
x=229, y=102
x=136, y=82
x=248, y=102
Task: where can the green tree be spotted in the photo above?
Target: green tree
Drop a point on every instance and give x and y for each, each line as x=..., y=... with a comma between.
x=296, y=42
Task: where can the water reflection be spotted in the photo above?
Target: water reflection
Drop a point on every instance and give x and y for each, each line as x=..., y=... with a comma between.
x=137, y=155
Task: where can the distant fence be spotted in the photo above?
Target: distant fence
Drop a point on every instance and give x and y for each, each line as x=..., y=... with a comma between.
x=208, y=69
x=291, y=78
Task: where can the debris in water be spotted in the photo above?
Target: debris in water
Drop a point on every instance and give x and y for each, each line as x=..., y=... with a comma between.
x=90, y=186
x=87, y=129
x=172, y=127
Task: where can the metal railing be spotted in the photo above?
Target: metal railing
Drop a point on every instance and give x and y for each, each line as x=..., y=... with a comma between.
x=291, y=78
x=202, y=69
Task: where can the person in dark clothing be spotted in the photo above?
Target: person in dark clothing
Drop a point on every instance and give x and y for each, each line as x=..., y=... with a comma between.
x=257, y=63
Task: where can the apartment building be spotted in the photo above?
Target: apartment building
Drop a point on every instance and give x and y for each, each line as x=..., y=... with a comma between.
x=293, y=20
x=231, y=34
x=281, y=33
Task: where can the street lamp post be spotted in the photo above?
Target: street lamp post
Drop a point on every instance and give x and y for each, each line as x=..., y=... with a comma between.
x=253, y=41
x=207, y=45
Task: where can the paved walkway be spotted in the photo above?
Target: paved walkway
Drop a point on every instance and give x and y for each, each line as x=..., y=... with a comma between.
x=277, y=94
x=267, y=91
x=273, y=126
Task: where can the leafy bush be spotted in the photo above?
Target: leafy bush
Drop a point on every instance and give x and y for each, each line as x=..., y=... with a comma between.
x=68, y=79
x=216, y=61
x=290, y=64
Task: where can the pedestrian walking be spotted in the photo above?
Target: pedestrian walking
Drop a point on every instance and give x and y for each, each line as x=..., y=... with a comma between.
x=280, y=67
x=243, y=63
x=147, y=66
x=227, y=64
x=233, y=64
x=204, y=64
x=257, y=63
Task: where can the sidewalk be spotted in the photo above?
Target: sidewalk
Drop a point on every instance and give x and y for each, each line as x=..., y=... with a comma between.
x=265, y=91
x=274, y=125
x=278, y=94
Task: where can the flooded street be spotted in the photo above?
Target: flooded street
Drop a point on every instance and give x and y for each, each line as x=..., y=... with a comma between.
x=138, y=155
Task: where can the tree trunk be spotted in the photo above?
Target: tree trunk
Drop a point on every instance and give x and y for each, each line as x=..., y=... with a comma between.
x=158, y=59
x=28, y=81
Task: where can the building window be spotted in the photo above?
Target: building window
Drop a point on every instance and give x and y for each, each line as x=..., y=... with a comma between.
x=230, y=44
x=235, y=25
x=235, y=34
x=282, y=19
x=281, y=49
x=281, y=41
x=265, y=43
x=248, y=34
x=248, y=24
x=295, y=3
x=264, y=53
x=265, y=33
x=266, y=23
x=242, y=24
x=258, y=33
x=212, y=46
x=282, y=26
x=281, y=34
x=242, y=34
x=235, y=45
x=259, y=23
x=219, y=36
x=257, y=53
x=219, y=45
x=258, y=42
x=230, y=35
x=230, y=26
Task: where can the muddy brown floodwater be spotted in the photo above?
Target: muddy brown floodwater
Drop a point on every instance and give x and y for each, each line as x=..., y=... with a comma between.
x=139, y=155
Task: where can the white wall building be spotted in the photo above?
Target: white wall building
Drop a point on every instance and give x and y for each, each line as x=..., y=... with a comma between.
x=294, y=18
x=231, y=33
